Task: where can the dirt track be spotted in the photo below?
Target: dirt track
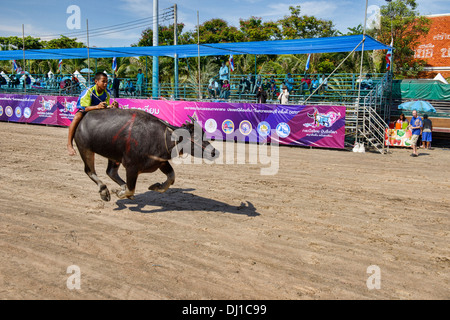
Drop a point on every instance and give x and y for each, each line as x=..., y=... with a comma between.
x=224, y=231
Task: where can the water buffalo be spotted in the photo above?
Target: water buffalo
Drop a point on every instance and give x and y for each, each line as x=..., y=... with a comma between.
x=140, y=142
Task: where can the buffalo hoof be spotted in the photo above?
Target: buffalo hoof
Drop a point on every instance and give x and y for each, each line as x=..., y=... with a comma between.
x=157, y=187
x=124, y=193
x=104, y=194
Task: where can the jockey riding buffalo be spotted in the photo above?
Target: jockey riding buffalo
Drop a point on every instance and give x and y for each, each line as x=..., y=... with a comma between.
x=140, y=142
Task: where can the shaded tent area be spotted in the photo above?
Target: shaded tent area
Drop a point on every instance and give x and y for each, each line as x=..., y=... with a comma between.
x=276, y=47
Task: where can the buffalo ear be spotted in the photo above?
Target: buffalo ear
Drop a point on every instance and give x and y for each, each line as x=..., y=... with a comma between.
x=192, y=119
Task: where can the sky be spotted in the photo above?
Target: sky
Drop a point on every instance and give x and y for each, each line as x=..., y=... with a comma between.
x=49, y=18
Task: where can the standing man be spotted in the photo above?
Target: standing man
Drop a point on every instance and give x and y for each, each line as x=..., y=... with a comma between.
x=416, y=127
x=224, y=74
x=139, y=82
x=116, y=86
x=426, y=134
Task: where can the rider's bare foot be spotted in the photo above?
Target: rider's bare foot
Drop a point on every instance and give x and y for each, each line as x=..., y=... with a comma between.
x=71, y=151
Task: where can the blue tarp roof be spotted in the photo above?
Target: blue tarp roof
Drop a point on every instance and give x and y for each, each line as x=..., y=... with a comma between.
x=277, y=47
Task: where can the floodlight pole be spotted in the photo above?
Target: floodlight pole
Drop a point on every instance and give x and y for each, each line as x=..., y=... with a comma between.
x=198, y=48
x=155, y=75
x=23, y=50
x=360, y=72
x=89, y=61
x=175, y=42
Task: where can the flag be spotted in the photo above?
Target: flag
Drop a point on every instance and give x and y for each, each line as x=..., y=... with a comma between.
x=307, y=61
x=15, y=67
x=231, y=63
x=60, y=64
x=389, y=56
x=114, y=64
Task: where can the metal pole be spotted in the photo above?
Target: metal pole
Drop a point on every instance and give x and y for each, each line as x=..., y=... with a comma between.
x=155, y=75
x=175, y=42
x=360, y=72
x=89, y=62
x=198, y=46
x=23, y=50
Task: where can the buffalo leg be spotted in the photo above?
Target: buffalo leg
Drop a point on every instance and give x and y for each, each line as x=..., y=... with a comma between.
x=128, y=189
x=89, y=168
x=113, y=172
x=167, y=169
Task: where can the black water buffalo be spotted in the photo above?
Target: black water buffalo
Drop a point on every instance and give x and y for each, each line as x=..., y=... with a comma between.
x=140, y=142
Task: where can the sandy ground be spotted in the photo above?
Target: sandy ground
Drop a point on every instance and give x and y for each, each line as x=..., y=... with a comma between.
x=224, y=231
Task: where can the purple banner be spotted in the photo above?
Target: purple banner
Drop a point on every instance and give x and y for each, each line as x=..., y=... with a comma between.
x=317, y=126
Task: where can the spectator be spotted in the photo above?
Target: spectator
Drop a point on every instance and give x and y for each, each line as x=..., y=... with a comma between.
x=224, y=74
x=284, y=95
x=273, y=87
x=289, y=82
x=402, y=122
x=416, y=127
x=116, y=86
x=251, y=81
x=261, y=95
x=323, y=83
x=129, y=88
x=139, y=82
x=258, y=84
x=266, y=87
x=367, y=83
x=244, y=85
x=213, y=88
x=426, y=132
x=225, y=93
x=314, y=84
x=305, y=83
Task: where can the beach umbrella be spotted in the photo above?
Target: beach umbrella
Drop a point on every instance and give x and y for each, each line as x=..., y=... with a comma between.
x=420, y=106
x=86, y=70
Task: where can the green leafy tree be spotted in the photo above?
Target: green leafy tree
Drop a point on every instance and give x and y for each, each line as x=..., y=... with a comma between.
x=401, y=21
x=296, y=26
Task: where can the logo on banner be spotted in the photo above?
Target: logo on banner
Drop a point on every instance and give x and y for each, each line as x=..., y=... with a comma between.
x=18, y=112
x=322, y=119
x=195, y=117
x=69, y=106
x=245, y=127
x=264, y=128
x=1, y=111
x=46, y=105
x=283, y=130
x=211, y=125
x=228, y=126
x=9, y=111
x=27, y=112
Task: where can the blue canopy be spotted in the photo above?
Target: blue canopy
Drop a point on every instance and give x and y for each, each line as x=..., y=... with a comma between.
x=277, y=47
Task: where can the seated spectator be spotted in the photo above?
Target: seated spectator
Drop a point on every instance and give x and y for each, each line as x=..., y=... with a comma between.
x=261, y=95
x=244, y=85
x=251, y=81
x=314, y=84
x=225, y=92
x=289, y=82
x=305, y=84
x=266, y=87
x=367, y=84
x=213, y=88
x=258, y=84
x=129, y=88
x=273, y=87
x=323, y=83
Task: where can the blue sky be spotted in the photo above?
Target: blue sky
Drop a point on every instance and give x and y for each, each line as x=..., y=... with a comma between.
x=50, y=17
